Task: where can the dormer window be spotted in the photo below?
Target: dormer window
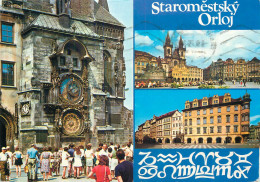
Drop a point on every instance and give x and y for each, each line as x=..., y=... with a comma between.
x=215, y=101
x=204, y=103
x=187, y=106
x=195, y=105
x=227, y=100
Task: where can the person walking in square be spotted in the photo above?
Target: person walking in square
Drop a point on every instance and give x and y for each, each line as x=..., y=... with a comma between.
x=65, y=161
x=51, y=161
x=89, y=155
x=114, y=162
x=71, y=152
x=18, y=161
x=56, y=163
x=3, y=164
x=9, y=162
x=45, y=163
x=31, y=161
x=77, y=162
x=102, y=170
x=83, y=160
x=124, y=170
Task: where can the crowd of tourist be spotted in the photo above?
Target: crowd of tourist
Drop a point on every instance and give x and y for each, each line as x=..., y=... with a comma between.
x=156, y=84
x=176, y=84
x=105, y=163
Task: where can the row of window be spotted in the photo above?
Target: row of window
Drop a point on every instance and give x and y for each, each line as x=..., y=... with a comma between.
x=246, y=106
x=245, y=117
x=168, y=126
x=177, y=125
x=176, y=118
x=167, y=133
x=145, y=64
x=206, y=130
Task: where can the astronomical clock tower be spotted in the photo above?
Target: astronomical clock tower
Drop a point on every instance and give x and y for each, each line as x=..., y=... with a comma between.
x=72, y=74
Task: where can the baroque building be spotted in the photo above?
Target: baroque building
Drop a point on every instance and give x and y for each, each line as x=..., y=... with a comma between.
x=173, y=65
x=167, y=128
x=63, y=74
x=217, y=119
x=234, y=70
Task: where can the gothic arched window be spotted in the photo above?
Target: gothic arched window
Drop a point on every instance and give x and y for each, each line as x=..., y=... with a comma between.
x=108, y=72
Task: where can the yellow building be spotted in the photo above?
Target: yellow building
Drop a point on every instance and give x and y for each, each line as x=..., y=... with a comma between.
x=146, y=128
x=139, y=134
x=153, y=128
x=169, y=127
x=180, y=73
x=186, y=73
x=235, y=70
x=218, y=119
x=142, y=59
x=195, y=73
x=10, y=57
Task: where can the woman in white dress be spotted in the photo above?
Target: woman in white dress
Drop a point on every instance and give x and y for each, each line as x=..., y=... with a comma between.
x=77, y=162
x=114, y=162
x=89, y=155
x=64, y=161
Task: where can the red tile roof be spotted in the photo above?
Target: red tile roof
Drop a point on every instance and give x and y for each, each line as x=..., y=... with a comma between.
x=166, y=115
x=141, y=53
x=210, y=100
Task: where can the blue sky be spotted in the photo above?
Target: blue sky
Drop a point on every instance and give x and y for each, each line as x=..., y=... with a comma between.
x=122, y=10
x=158, y=102
x=203, y=47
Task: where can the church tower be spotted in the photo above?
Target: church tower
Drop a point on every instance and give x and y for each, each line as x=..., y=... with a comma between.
x=167, y=47
x=182, y=50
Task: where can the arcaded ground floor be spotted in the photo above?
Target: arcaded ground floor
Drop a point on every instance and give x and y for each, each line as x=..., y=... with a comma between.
x=232, y=139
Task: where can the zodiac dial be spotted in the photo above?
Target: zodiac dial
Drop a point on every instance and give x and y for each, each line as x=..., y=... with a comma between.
x=72, y=124
x=71, y=90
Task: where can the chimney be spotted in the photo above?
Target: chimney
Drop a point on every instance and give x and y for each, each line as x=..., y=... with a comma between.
x=104, y=4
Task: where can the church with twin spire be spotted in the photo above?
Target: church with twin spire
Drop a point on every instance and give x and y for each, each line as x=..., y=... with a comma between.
x=173, y=64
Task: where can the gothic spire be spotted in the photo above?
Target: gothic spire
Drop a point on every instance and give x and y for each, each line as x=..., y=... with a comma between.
x=104, y=4
x=168, y=39
x=180, y=43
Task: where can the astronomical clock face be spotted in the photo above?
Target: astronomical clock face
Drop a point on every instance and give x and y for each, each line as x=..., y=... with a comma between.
x=71, y=90
x=72, y=124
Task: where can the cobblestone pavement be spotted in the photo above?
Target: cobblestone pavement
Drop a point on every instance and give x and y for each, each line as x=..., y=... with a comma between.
x=192, y=146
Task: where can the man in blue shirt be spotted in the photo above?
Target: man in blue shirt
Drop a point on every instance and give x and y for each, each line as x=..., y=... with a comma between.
x=71, y=152
x=124, y=170
x=31, y=161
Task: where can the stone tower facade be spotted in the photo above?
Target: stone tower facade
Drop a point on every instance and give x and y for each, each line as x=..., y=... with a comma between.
x=168, y=47
x=72, y=73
